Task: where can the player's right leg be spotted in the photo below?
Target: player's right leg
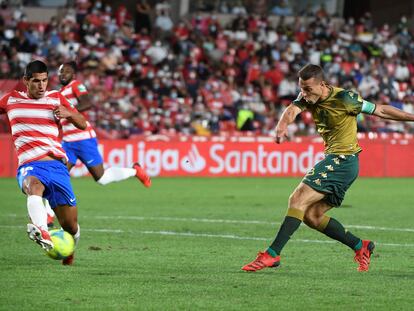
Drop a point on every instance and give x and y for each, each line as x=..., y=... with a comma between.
x=29, y=178
x=303, y=197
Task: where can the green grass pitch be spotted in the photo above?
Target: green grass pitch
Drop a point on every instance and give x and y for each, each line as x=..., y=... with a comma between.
x=180, y=246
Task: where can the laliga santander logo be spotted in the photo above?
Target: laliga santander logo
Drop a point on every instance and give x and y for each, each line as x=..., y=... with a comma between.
x=193, y=162
x=218, y=159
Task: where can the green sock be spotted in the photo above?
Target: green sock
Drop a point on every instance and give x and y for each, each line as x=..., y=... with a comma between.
x=288, y=227
x=271, y=252
x=336, y=231
x=358, y=246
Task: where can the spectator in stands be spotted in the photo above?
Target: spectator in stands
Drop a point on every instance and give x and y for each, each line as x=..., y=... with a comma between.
x=202, y=58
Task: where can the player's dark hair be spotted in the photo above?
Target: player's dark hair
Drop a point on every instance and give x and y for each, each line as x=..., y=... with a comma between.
x=71, y=64
x=35, y=66
x=310, y=71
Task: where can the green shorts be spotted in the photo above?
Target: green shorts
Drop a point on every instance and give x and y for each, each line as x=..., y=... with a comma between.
x=333, y=176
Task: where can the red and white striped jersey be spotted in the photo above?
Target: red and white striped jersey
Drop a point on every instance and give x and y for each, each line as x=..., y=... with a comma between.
x=72, y=91
x=34, y=127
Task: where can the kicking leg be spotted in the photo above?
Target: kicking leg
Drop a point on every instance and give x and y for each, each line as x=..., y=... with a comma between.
x=37, y=230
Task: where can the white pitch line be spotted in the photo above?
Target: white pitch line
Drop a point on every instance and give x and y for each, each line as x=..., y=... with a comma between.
x=232, y=221
x=210, y=235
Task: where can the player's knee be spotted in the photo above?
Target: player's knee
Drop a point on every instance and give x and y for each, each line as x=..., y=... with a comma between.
x=70, y=226
x=32, y=186
x=296, y=200
x=312, y=219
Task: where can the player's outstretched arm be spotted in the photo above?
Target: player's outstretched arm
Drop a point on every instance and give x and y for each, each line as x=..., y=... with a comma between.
x=288, y=116
x=392, y=113
x=72, y=115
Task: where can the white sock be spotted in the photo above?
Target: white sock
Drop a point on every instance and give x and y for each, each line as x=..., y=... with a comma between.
x=76, y=236
x=49, y=210
x=37, y=211
x=116, y=174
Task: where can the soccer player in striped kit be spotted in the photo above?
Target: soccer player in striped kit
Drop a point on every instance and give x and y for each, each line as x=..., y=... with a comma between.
x=82, y=144
x=34, y=118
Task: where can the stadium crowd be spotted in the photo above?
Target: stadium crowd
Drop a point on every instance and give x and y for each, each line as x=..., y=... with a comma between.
x=149, y=75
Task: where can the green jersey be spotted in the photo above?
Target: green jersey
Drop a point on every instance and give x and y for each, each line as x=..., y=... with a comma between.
x=336, y=119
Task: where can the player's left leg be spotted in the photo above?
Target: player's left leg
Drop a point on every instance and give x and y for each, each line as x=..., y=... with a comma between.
x=89, y=154
x=68, y=219
x=63, y=202
x=316, y=218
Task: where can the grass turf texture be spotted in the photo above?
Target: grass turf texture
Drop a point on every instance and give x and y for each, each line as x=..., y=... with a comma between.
x=148, y=249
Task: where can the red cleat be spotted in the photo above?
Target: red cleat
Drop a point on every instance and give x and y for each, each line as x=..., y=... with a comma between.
x=68, y=261
x=263, y=260
x=363, y=256
x=142, y=175
x=40, y=236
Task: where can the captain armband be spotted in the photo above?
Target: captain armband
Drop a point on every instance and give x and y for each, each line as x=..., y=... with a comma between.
x=368, y=107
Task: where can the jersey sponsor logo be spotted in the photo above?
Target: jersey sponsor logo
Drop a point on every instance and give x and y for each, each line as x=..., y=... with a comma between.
x=81, y=88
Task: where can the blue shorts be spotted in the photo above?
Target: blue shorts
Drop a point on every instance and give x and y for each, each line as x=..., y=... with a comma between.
x=54, y=176
x=85, y=150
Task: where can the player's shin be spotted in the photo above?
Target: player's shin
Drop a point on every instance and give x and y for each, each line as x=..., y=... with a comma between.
x=37, y=211
x=291, y=223
x=335, y=230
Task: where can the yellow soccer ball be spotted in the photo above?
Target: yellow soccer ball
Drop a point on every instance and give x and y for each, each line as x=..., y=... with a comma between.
x=63, y=244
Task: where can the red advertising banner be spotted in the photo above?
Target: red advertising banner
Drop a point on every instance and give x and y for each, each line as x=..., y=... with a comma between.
x=250, y=156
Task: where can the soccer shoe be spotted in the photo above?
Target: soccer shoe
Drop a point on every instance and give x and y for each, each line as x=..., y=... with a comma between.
x=68, y=261
x=263, y=260
x=363, y=256
x=142, y=175
x=40, y=236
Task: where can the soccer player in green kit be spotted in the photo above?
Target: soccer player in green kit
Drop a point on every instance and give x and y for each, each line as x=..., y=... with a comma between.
x=334, y=111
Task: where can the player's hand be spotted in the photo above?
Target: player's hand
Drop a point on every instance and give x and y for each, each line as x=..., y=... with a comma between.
x=61, y=112
x=281, y=134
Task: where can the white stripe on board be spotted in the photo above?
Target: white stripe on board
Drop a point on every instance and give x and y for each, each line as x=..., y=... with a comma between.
x=210, y=235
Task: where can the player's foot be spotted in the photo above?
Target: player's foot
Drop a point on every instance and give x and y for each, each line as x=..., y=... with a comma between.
x=263, y=260
x=50, y=220
x=363, y=256
x=68, y=260
x=142, y=175
x=40, y=236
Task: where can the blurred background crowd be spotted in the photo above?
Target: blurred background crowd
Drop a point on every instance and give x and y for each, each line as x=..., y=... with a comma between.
x=207, y=76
